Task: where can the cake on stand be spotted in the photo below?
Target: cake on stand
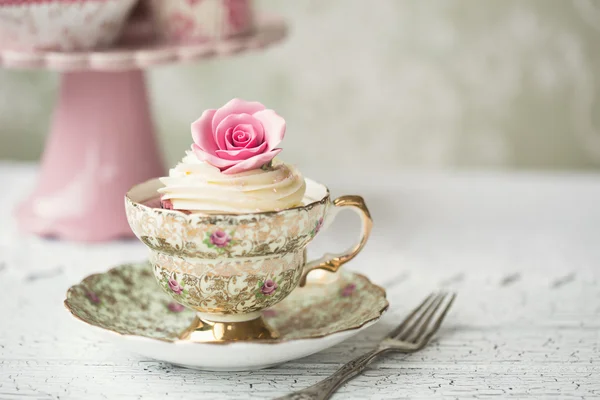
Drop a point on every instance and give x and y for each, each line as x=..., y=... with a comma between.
x=101, y=139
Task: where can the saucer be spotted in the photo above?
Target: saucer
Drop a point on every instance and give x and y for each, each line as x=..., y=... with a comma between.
x=126, y=303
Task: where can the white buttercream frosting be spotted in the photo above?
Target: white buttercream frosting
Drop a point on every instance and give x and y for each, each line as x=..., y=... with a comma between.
x=197, y=186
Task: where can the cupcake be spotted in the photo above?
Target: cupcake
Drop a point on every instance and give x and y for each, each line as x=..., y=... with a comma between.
x=231, y=167
x=232, y=242
x=193, y=21
x=61, y=25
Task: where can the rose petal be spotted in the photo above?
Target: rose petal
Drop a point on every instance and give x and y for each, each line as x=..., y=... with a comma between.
x=257, y=139
x=242, y=135
x=247, y=130
x=241, y=154
x=229, y=138
x=202, y=131
x=231, y=122
x=235, y=106
x=252, y=163
x=273, y=125
x=211, y=158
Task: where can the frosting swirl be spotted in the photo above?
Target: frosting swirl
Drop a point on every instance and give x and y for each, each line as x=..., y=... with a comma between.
x=197, y=186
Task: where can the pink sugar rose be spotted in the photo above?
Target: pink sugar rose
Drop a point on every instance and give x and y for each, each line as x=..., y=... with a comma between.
x=269, y=287
x=238, y=137
x=175, y=286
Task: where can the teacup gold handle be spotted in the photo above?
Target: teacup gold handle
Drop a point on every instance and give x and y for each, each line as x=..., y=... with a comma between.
x=333, y=262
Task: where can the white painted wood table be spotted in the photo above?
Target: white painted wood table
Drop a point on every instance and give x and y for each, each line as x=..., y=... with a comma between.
x=522, y=251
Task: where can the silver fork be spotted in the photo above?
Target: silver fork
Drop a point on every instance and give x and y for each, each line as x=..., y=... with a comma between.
x=411, y=335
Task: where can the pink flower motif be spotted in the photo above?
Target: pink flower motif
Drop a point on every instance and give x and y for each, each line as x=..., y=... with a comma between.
x=238, y=137
x=269, y=287
x=192, y=3
x=175, y=307
x=319, y=225
x=269, y=313
x=237, y=13
x=166, y=204
x=175, y=286
x=93, y=297
x=220, y=238
x=348, y=290
x=181, y=26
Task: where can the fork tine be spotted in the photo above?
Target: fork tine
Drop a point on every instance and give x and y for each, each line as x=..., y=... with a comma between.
x=439, y=321
x=418, y=332
x=404, y=323
x=423, y=318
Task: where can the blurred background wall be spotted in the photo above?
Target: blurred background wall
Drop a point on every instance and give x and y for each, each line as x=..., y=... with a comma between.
x=395, y=83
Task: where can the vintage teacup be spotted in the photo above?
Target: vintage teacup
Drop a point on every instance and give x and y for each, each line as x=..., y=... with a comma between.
x=230, y=267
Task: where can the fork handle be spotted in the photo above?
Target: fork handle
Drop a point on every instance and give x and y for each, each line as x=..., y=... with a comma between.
x=324, y=389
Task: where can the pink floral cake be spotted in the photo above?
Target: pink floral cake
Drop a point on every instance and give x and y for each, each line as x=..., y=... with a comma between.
x=61, y=25
x=202, y=20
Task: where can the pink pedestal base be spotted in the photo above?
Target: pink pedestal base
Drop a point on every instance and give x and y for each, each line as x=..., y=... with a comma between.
x=101, y=143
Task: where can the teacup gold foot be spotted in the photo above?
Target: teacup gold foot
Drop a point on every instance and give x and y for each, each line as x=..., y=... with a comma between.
x=204, y=331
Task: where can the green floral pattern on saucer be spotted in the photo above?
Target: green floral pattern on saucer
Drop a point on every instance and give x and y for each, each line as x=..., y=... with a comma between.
x=128, y=301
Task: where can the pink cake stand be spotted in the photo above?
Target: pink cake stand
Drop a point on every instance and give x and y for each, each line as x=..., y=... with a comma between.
x=102, y=139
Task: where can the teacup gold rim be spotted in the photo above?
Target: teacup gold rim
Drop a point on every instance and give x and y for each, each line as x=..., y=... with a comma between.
x=382, y=311
x=325, y=199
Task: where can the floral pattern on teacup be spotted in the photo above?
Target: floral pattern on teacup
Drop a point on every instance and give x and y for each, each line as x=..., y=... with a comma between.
x=229, y=286
x=218, y=239
x=172, y=286
x=227, y=263
x=175, y=286
x=317, y=227
x=252, y=235
x=267, y=288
